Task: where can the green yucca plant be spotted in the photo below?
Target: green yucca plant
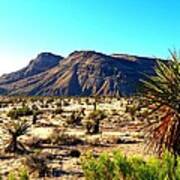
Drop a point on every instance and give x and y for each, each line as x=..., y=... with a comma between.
x=161, y=93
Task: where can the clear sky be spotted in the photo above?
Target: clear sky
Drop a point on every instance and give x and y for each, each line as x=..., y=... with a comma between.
x=141, y=27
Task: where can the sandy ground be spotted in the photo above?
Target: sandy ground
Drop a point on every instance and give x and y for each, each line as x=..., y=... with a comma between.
x=118, y=132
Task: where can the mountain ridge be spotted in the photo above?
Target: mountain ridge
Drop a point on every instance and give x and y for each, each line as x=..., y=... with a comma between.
x=82, y=73
x=42, y=62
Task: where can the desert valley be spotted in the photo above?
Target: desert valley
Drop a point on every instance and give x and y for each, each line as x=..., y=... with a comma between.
x=90, y=116
x=61, y=131
x=89, y=90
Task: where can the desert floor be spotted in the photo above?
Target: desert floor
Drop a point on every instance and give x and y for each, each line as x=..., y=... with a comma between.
x=62, y=142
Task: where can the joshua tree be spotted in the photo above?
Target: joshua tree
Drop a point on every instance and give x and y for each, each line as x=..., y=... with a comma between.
x=34, y=118
x=15, y=129
x=95, y=103
x=93, y=122
x=161, y=93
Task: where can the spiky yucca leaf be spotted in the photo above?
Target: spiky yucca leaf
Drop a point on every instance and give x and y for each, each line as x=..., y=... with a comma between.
x=15, y=129
x=162, y=92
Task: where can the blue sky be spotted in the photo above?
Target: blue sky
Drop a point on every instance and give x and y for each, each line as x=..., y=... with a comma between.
x=28, y=27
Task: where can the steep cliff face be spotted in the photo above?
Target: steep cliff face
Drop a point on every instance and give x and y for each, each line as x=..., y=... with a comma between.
x=82, y=73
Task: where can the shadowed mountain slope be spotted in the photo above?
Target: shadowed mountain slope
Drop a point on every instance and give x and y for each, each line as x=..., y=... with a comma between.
x=82, y=73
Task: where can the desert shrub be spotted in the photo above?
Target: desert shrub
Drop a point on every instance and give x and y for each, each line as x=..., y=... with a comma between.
x=145, y=170
x=71, y=140
x=59, y=103
x=35, y=107
x=97, y=115
x=45, y=105
x=61, y=138
x=75, y=153
x=117, y=166
x=35, y=114
x=58, y=110
x=101, y=168
x=93, y=122
x=65, y=103
x=50, y=100
x=23, y=174
x=37, y=162
x=24, y=111
x=89, y=125
x=74, y=119
x=132, y=109
x=11, y=176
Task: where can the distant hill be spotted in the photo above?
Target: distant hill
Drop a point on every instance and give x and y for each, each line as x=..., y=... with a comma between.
x=41, y=63
x=82, y=73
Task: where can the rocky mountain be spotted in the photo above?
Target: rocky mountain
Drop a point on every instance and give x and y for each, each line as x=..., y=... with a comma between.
x=82, y=73
x=41, y=63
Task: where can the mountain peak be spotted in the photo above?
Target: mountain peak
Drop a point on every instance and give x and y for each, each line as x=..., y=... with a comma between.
x=43, y=62
x=47, y=54
x=85, y=53
x=82, y=73
x=45, y=59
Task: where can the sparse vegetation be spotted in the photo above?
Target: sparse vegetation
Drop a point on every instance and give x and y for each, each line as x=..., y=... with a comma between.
x=118, y=166
x=19, y=112
x=93, y=122
x=56, y=141
x=58, y=110
x=75, y=118
x=59, y=137
x=23, y=174
x=36, y=162
x=15, y=129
